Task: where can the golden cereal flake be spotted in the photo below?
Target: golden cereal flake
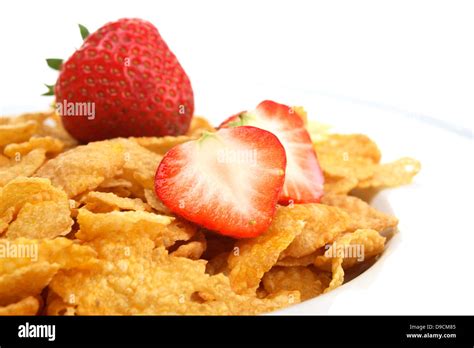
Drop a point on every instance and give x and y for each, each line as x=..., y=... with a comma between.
x=85, y=167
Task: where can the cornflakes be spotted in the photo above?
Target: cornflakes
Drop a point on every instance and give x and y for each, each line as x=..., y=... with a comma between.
x=30, y=201
x=161, y=285
x=163, y=144
x=82, y=227
x=49, y=144
x=392, y=174
x=322, y=224
x=363, y=245
x=28, y=265
x=255, y=256
x=362, y=215
x=302, y=279
x=85, y=167
x=22, y=166
x=17, y=132
x=27, y=306
x=103, y=202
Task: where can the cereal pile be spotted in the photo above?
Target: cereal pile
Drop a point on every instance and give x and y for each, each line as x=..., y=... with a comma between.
x=83, y=233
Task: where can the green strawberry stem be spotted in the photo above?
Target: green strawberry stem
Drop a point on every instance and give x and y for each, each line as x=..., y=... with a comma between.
x=84, y=31
x=50, y=90
x=54, y=63
x=244, y=119
x=206, y=135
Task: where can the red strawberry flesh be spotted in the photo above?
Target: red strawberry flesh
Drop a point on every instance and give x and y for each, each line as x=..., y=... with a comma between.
x=304, y=178
x=228, y=181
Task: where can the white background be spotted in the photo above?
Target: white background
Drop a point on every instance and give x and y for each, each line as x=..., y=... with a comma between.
x=383, y=64
x=415, y=56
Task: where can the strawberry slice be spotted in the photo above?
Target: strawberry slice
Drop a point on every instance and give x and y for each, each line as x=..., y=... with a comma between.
x=228, y=181
x=304, y=179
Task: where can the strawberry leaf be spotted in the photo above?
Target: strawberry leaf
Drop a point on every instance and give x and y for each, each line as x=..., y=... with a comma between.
x=50, y=90
x=84, y=31
x=54, y=63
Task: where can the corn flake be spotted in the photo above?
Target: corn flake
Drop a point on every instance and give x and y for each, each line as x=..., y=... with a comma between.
x=22, y=166
x=46, y=219
x=339, y=185
x=322, y=225
x=161, y=145
x=49, y=144
x=306, y=260
x=140, y=165
x=350, y=156
x=21, y=197
x=118, y=234
x=362, y=215
x=27, y=265
x=337, y=253
x=17, y=132
x=103, y=202
x=301, y=279
x=350, y=146
x=85, y=167
x=50, y=125
x=363, y=245
x=255, y=256
x=27, y=306
x=155, y=202
x=392, y=174
x=193, y=249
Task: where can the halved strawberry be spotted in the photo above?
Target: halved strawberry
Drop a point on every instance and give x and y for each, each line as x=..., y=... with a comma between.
x=304, y=178
x=228, y=181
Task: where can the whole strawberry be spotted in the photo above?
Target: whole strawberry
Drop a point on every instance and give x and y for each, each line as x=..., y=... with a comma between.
x=126, y=74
